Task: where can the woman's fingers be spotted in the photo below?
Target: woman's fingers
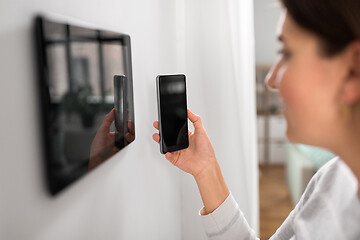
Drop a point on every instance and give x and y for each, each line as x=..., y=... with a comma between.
x=156, y=137
x=170, y=156
x=196, y=120
x=109, y=118
x=156, y=125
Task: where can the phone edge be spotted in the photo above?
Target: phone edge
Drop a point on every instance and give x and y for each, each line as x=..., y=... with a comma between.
x=159, y=114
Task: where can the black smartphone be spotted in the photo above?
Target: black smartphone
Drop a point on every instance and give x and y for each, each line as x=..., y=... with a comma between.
x=120, y=110
x=172, y=111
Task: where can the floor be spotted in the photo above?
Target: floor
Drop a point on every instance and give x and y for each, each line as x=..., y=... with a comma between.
x=275, y=201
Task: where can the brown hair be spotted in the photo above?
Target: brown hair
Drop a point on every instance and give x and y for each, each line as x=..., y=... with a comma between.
x=335, y=22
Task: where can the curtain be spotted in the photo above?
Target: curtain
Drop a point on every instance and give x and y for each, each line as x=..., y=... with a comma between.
x=215, y=50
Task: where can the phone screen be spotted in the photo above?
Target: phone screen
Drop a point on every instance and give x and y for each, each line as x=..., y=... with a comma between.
x=173, y=111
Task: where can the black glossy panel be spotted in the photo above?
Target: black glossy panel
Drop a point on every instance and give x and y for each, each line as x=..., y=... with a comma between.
x=76, y=72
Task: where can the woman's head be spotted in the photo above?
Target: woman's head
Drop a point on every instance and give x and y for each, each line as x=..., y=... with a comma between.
x=335, y=22
x=318, y=73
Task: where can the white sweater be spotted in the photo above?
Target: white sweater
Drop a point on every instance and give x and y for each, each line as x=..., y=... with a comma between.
x=328, y=209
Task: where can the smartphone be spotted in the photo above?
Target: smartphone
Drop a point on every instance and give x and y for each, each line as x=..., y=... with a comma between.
x=172, y=112
x=120, y=110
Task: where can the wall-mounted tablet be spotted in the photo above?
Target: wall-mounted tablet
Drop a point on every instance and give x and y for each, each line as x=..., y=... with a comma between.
x=77, y=69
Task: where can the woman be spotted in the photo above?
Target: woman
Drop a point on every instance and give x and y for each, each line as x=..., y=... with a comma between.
x=318, y=78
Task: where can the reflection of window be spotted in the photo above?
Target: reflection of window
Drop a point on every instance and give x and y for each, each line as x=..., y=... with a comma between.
x=57, y=70
x=81, y=72
x=83, y=58
x=85, y=66
x=113, y=59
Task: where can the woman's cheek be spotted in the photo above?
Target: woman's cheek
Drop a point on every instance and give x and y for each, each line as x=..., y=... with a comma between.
x=289, y=95
x=284, y=85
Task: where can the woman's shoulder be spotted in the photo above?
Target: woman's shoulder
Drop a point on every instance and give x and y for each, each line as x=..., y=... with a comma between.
x=333, y=170
x=331, y=178
x=316, y=184
x=329, y=167
x=331, y=198
x=326, y=170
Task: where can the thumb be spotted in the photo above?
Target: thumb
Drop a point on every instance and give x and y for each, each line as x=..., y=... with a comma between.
x=109, y=118
x=196, y=120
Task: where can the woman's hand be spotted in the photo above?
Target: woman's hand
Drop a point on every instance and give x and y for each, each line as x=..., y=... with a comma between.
x=200, y=161
x=200, y=154
x=103, y=147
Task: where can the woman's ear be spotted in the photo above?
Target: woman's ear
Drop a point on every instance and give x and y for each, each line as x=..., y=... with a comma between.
x=351, y=88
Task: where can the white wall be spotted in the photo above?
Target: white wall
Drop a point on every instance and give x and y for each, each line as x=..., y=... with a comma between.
x=267, y=13
x=137, y=194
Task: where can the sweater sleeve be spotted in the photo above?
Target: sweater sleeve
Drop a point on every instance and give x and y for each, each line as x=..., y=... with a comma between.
x=227, y=222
